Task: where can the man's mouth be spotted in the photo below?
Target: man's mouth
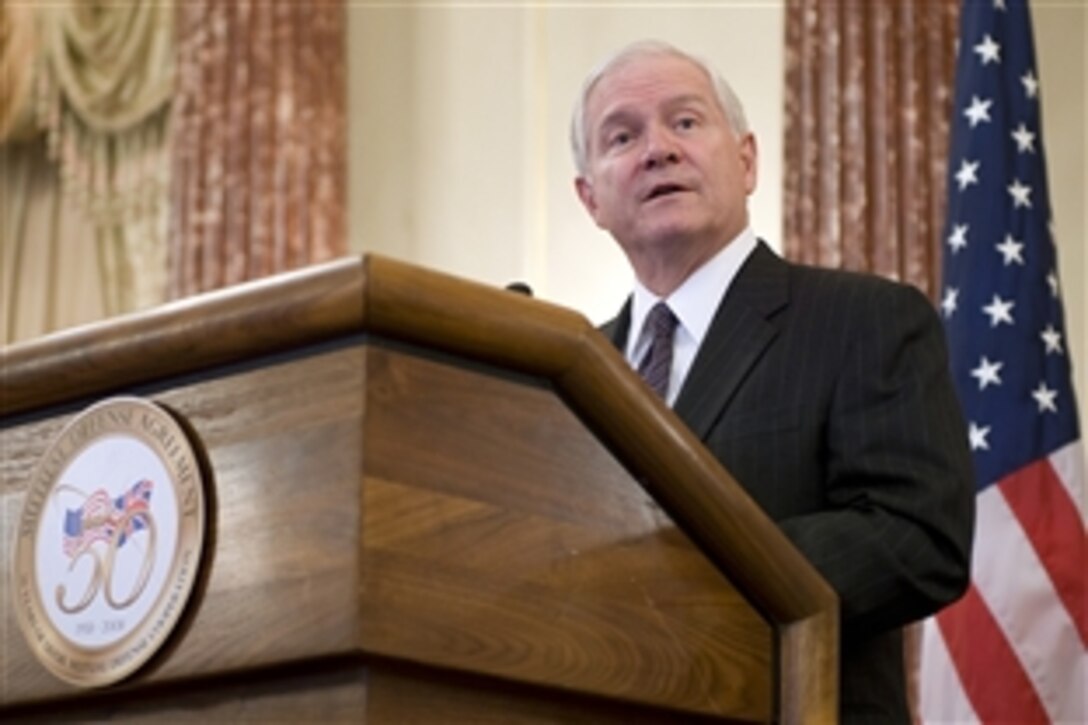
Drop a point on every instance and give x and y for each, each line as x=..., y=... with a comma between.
x=661, y=190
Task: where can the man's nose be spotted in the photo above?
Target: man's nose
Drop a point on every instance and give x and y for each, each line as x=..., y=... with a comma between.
x=660, y=148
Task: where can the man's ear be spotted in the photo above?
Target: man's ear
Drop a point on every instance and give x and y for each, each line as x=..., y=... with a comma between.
x=585, y=193
x=749, y=154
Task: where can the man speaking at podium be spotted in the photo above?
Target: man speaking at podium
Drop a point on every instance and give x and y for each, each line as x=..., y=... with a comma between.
x=826, y=394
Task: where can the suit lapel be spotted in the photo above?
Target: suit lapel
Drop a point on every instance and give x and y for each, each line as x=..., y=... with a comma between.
x=738, y=336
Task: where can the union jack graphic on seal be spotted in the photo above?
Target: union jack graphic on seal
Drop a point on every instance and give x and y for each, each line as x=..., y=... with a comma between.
x=100, y=516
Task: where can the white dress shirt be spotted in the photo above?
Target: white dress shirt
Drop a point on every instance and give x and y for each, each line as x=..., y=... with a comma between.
x=694, y=303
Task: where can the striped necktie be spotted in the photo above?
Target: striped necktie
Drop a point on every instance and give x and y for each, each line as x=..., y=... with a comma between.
x=656, y=365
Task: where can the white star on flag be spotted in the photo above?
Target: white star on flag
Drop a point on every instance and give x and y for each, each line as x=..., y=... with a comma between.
x=958, y=239
x=1031, y=83
x=999, y=311
x=987, y=373
x=968, y=173
x=1021, y=194
x=1052, y=339
x=999, y=5
x=1052, y=282
x=988, y=51
x=949, y=301
x=1011, y=250
x=1025, y=139
x=1044, y=396
x=977, y=435
x=978, y=111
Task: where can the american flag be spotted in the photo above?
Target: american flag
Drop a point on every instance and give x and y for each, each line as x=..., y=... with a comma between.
x=1014, y=648
x=100, y=516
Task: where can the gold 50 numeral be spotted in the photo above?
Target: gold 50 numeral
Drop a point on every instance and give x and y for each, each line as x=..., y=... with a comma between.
x=102, y=577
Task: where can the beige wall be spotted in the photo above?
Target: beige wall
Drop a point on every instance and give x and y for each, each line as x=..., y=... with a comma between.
x=458, y=135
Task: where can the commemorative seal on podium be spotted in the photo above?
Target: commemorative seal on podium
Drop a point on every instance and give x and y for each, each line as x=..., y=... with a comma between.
x=109, y=541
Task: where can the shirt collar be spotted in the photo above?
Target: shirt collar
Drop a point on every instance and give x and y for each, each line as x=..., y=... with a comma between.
x=696, y=300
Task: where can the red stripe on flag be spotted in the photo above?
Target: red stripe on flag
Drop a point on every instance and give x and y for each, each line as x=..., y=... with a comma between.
x=991, y=674
x=1052, y=523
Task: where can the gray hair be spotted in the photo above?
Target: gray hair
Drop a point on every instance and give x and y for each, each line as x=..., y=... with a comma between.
x=727, y=99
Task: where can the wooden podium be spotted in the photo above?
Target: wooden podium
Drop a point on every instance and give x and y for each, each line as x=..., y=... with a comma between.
x=428, y=501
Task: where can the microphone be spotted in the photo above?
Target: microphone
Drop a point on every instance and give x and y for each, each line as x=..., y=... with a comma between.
x=521, y=288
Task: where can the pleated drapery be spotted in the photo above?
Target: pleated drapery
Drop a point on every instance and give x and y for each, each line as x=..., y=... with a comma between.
x=84, y=114
x=259, y=164
x=868, y=103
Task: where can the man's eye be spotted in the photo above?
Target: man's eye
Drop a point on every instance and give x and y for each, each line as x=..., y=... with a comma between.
x=619, y=139
x=686, y=123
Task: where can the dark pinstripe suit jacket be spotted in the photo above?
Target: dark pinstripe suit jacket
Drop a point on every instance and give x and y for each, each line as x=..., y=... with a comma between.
x=826, y=395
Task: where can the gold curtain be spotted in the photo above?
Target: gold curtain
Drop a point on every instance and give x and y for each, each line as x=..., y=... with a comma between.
x=259, y=156
x=868, y=102
x=83, y=232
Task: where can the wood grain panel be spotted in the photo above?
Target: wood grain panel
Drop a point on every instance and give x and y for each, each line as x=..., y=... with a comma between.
x=344, y=691
x=485, y=556
x=284, y=444
x=416, y=696
x=482, y=554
